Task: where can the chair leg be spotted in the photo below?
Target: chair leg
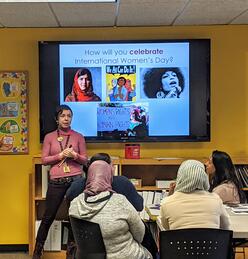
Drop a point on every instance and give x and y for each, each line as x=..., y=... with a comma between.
x=71, y=250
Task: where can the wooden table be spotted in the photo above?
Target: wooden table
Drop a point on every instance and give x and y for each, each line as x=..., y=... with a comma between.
x=239, y=222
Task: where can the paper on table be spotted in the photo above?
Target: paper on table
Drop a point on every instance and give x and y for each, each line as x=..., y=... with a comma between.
x=241, y=208
x=153, y=209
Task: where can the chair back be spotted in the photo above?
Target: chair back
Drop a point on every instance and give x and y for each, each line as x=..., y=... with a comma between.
x=88, y=238
x=202, y=243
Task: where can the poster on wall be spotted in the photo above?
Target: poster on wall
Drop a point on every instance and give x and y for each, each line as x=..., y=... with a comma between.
x=13, y=113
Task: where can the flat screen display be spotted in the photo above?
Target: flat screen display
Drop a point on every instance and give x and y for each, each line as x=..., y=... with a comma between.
x=137, y=91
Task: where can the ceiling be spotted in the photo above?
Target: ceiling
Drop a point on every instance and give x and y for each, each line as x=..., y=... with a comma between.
x=123, y=13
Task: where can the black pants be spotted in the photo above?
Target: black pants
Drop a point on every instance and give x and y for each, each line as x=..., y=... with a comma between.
x=54, y=197
x=149, y=242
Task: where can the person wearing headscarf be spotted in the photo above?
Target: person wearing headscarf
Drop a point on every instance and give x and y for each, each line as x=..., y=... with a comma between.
x=121, y=226
x=120, y=184
x=192, y=205
x=120, y=91
x=82, y=89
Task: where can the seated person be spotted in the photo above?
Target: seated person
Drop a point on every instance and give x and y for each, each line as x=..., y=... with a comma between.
x=121, y=227
x=191, y=205
x=223, y=178
x=120, y=184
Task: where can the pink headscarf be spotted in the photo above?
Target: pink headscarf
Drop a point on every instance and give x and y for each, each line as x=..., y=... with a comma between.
x=99, y=178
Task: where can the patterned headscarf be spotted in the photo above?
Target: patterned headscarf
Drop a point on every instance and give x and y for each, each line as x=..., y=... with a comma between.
x=192, y=176
x=99, y=178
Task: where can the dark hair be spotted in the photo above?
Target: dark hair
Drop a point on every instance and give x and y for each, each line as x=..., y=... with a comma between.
x=86, y=71
x=100, y=156
x=153, y=80
x=122, y=77
x=225, y=171
x=60, y=109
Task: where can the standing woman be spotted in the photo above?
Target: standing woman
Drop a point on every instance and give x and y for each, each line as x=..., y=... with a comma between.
x=224, y=181
x=65, y=150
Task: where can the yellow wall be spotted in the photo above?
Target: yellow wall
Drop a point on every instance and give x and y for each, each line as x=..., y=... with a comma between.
x=229, y=86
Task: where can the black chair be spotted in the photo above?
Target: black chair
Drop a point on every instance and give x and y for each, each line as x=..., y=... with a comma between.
x=88, y=238
x=203, y=243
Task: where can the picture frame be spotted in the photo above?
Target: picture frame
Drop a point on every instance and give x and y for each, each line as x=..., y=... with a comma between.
x=13, y=112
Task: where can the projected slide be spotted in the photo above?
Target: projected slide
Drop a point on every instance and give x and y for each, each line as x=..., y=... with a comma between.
x=125, y=90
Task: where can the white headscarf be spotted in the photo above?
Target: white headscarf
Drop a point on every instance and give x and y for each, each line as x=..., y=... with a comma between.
x=192, y=176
